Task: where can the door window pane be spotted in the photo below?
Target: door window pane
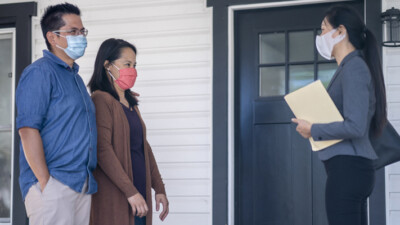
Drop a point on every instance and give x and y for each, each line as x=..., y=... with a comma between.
x=272, y=48
x=301, y=46
x=5, y=125
x=272, y=81
x=326, y=72
x=300, y=76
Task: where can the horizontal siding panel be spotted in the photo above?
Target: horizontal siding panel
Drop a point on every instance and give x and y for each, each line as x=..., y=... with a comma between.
x=95, y=4
x=97, y=25
x=180, y=154
x=183, y=219
x=394, y=203
x=394, y=217
x=393, y=92
x=393, y=75
x=177, y=120
x=392, y=61
x=164, y=8
x=175, y=104
x=179, y=137
x=394, y=183
x=174, y=87
x=185, y=170
x=150, y=24
x=187, y=71
x=394, y=111
x=188, y=204
x=155, y=41
x=394, y=170
x=11, y=1
x=392, y=57
x=188, y=187
x=396, y=125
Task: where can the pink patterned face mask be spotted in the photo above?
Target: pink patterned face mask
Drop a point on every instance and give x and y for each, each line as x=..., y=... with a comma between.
x=126, y=79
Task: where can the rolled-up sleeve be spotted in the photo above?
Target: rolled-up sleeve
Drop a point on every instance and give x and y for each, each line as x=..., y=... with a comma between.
x=356, y=83
x=32, y=98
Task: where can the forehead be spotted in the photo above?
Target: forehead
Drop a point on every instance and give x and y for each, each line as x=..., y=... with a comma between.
x=72, y=21
x=128, y=54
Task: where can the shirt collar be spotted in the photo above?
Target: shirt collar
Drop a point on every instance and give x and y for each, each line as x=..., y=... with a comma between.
x=55, y=59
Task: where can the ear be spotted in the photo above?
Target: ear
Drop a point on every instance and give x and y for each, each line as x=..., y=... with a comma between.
x=107, y=65
x=342, y=29
x=50, y=36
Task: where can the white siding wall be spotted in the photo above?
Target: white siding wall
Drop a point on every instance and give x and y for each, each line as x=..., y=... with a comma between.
x=174, y=41
x=391, y=69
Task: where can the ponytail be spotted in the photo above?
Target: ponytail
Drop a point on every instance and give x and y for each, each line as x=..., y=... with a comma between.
x=372, y=59
x=363, y=39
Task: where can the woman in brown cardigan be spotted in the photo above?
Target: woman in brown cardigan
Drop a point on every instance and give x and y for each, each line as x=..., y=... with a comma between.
x=126, y=169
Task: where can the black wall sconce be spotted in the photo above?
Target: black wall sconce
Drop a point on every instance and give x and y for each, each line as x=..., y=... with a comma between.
x=391, y=27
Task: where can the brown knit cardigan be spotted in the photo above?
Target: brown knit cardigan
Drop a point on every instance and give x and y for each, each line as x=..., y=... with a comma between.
x=114, y=166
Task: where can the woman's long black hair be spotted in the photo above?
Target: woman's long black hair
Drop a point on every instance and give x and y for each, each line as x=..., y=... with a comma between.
x=109, y=50
x=363, y=39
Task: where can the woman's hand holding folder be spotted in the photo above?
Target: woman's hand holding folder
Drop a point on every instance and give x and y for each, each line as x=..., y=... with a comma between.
x=303, y=127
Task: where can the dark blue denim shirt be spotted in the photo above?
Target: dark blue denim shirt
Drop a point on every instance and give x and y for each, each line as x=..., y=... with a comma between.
x=52, y=98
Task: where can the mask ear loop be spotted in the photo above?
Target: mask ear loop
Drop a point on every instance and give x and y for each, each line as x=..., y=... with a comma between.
x=116, y=67
x=60, y=36
x=109, y=72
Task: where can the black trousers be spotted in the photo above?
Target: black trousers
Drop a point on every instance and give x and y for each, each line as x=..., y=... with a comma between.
x=350, y=182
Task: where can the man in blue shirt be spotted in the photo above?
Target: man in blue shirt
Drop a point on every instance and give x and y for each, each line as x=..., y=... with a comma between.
x=56, y=122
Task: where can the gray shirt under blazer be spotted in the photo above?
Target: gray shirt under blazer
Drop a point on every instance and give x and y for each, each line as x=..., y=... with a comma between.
x=352, y=91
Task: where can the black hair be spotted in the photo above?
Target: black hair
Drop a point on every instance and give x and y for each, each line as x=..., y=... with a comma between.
x=363, y=39
x=109, y=50
x=52, y=18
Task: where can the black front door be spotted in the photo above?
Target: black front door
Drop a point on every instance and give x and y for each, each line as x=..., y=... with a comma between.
x=278, y=179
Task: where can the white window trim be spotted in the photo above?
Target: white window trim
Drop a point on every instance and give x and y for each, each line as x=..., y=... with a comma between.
x=231, y=99
x=12, y=31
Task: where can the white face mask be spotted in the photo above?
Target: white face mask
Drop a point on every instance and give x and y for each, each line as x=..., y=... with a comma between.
x=326, y=42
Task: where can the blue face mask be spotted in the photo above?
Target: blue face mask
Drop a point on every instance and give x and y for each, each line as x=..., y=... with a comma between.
x=76, y=46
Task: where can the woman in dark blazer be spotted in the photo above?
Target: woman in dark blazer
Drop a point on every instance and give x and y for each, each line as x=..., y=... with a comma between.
x=358, y=91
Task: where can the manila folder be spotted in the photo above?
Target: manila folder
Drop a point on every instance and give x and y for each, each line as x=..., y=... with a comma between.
x=313, y=103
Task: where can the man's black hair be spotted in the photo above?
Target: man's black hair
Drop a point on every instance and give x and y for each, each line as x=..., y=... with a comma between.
x=52, y=18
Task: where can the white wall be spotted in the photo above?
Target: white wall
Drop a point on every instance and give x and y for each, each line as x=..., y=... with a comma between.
x=391, y=69
x=174, y=41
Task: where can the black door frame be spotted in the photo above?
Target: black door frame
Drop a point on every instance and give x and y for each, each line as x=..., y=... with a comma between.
x=222, y=120
x=19, y=16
